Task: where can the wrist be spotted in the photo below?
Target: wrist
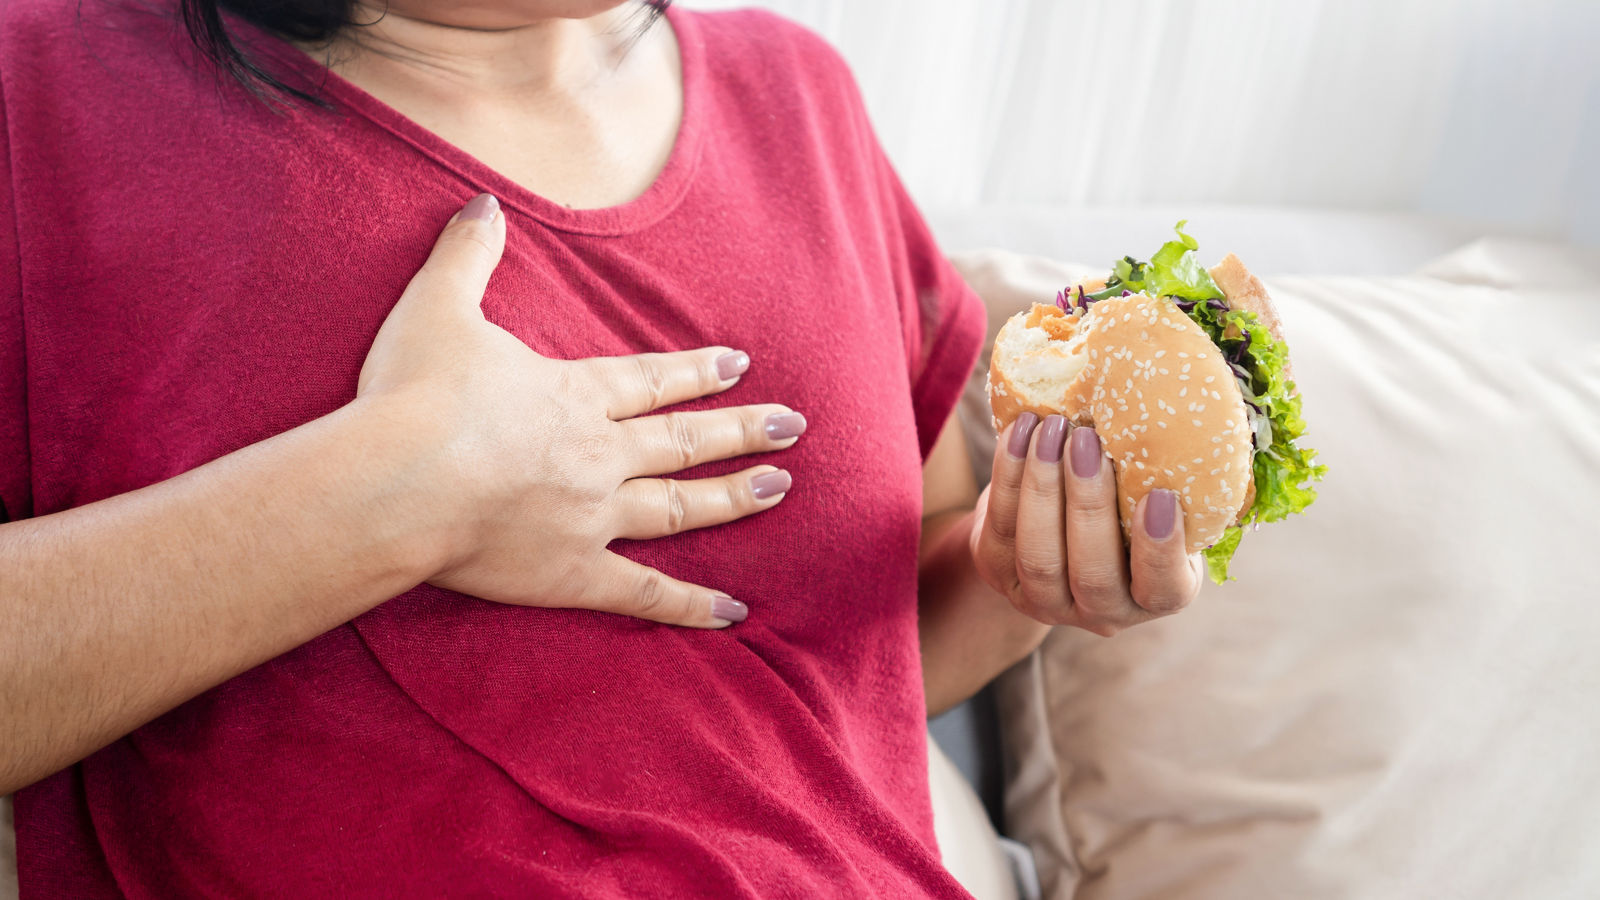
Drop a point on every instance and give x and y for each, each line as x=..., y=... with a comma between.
x=411, y=477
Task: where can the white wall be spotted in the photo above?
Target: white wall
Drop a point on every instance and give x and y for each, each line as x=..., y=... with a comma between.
x=1477, y=109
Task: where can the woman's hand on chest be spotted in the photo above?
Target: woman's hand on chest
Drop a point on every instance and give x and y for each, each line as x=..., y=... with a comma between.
x=536, y=464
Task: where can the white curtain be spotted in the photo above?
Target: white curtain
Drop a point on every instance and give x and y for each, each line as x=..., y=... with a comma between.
x=1479, y=110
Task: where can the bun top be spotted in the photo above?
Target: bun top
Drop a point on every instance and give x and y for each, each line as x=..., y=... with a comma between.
x=1168, y=411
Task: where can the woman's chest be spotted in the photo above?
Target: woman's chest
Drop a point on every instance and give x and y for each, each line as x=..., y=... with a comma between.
x=144, y=379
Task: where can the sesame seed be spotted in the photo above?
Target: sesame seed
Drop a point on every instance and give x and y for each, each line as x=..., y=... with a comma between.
x=1183, y=378
x=1230, y=448
x=1216, y=453
x=1144, y=453
x=1197, y=422
x=1164, y=371
x=1143, y=416
x=1185, y=367
x=1182, y=355
x=1210, y=378
x=1162, y=424
x=1160, y=353
x=1139, y=464
x=1183, y=392
x=1189, y=480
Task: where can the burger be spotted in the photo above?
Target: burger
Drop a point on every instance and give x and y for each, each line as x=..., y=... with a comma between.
x=1184, y=374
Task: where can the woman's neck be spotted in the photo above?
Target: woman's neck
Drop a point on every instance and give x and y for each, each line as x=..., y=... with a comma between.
x=582, y=111
x=490, y=58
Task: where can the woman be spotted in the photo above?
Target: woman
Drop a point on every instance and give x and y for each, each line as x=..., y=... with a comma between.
x=227, y=446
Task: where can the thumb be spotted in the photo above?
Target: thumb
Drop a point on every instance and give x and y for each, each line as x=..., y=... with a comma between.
x=465, y=255
x=447, y=289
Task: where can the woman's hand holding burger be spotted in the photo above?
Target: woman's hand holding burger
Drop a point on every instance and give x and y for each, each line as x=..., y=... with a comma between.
x=536, y=464
x=1185, y=374
x=1047, y=534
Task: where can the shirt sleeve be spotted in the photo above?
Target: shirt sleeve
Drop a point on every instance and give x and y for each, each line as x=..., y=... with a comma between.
x=942, y=318
x=15, y=495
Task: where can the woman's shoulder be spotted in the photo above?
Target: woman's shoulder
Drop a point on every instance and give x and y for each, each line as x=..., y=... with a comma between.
x=73, y=25
x=764, y=46
x=72, y=44
x=763, y=30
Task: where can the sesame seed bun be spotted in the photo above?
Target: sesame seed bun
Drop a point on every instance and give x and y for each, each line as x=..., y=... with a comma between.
x=1155, y=388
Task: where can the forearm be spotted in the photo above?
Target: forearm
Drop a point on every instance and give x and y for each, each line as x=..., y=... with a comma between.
x=115, y=612
x=970, y=633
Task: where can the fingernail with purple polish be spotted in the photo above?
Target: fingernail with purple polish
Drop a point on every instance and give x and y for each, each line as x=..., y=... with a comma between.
x=482, y=207
x=770, y=484
x=1085, y=452
x=728, y=609
x=1021, y=433
x=1052, y=437
x=1160, y=514
x=732, y=364
x=782, y=426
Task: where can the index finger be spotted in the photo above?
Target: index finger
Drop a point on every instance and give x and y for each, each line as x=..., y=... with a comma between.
x=996, y=549
x=641, y=382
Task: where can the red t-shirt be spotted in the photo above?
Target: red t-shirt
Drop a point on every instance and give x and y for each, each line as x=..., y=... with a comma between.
x=184, y=273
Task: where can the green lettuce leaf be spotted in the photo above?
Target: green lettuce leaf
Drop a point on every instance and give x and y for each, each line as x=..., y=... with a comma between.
x=1283, y=470
x=1218, y=555
x=1173, y=271
x=1176, y=272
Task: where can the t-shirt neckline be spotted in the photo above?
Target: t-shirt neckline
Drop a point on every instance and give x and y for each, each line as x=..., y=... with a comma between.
x=659, y=199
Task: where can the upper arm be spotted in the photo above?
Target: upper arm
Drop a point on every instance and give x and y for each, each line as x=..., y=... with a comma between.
x=947, y=482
